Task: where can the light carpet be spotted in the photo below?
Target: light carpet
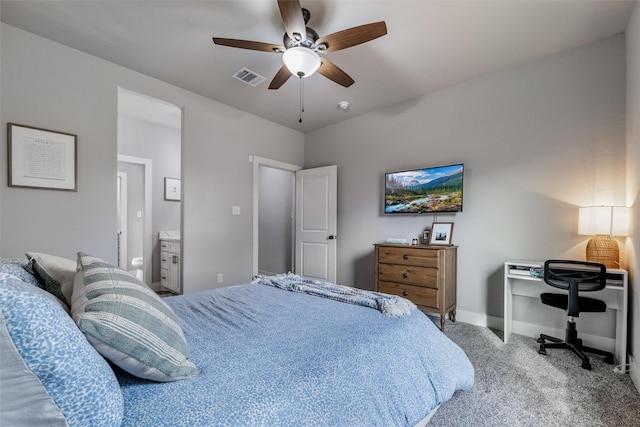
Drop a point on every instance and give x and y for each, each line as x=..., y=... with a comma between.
x=516, y=386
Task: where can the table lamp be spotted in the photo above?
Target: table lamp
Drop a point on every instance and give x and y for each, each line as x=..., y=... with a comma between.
x=603, y=222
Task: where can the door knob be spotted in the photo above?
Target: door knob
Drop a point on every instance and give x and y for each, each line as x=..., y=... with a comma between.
x=331, y=237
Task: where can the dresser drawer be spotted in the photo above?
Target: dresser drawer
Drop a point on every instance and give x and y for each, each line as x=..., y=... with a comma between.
x=418, y=295
x=408, y=274
x=408, y=256
x=164, y=274
x=164, y=259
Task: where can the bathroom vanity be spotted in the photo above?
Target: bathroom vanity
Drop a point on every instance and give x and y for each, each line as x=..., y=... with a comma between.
x=170, y=261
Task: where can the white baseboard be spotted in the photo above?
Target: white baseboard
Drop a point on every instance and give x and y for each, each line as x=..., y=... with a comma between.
x=531, y=329
x=479, y=319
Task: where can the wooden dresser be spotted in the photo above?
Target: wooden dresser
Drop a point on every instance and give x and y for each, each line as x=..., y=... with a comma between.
x=426, y=275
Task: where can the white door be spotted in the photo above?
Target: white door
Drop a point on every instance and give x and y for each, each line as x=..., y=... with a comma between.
x=316, y=222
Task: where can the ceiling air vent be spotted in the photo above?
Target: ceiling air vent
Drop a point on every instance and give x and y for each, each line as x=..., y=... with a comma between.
x=249, y=77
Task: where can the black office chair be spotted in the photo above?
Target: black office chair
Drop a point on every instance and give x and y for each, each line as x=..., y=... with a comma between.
x=574, y=277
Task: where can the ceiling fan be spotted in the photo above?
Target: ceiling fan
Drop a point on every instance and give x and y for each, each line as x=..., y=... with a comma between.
x=301, y=45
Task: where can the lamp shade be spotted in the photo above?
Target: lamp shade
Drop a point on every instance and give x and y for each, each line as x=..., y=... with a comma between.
x=607, y=220
x=620, y=217
x=301, y=61
x=604, y=222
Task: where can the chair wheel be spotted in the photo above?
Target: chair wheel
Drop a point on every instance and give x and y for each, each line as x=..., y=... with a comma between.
x=542, y=350
x=609, y=360
x=586, y=365
x=540, y=340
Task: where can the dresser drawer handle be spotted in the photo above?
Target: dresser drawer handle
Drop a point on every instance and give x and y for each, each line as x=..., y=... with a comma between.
x=405, y=293
x=405, y=275
x=405, y=256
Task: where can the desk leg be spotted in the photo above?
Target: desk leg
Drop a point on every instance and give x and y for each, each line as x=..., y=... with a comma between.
x=442, y=322
x=508, y=309
x=621, y=327
x=452, y=315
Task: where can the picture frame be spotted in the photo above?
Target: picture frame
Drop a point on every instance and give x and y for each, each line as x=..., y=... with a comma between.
x=441, y=233
x=41, y=158
x=172, y=190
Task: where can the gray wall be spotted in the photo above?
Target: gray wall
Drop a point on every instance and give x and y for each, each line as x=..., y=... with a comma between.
x=538, y=141
x=77, y=93
x=633, y=185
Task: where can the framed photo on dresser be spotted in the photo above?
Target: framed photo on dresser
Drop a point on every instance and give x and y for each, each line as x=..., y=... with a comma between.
x=441, y=233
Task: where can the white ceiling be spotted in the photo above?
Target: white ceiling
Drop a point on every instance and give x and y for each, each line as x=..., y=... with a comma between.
x=430, y=45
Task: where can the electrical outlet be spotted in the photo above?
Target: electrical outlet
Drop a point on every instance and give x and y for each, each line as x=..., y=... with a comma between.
x=220, y=277
x=235, y=210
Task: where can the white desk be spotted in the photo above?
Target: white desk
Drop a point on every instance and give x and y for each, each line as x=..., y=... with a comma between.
x=615, y=295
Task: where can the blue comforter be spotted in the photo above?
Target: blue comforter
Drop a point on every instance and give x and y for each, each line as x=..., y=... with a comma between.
x=269, y=357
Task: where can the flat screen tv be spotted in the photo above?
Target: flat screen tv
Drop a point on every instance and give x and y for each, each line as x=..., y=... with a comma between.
x=423, y=191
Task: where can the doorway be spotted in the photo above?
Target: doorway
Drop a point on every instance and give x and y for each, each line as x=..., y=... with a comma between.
x=149, y=132
x=273, y=201
x=302, y=203
x=134, y=215
x=276, y=220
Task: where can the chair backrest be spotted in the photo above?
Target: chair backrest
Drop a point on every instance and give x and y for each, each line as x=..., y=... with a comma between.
x=584, y=276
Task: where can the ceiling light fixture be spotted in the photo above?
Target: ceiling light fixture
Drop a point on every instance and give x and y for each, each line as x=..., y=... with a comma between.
x=301, y=61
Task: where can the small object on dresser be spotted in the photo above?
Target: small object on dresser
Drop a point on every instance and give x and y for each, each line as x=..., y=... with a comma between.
x=414, y=242
x=395, y=240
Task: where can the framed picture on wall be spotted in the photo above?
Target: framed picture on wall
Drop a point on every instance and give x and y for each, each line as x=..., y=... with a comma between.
x=172, y=189
x=441, y=233
x=41, y=158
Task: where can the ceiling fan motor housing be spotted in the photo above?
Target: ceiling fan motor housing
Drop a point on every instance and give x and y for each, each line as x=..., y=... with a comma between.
x=310, y=41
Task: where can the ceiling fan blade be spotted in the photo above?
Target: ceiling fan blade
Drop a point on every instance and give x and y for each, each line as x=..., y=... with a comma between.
x=352, y=36
x=334, y=73
x=280, y=78
x=293, y=19
x=246, y=44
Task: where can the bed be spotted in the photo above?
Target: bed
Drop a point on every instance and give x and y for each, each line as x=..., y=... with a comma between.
x=256, y=355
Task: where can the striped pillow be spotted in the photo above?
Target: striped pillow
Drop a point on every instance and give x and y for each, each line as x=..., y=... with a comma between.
x=128, y=323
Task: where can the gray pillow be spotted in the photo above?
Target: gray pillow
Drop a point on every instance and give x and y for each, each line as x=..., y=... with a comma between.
x=56, y=273
x=128, y=323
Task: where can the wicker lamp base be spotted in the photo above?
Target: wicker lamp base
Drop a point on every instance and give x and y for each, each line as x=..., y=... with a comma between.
x=604, y=250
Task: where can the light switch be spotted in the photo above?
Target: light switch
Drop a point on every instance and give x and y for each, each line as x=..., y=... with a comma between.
x=235, y=210
x=139, y=214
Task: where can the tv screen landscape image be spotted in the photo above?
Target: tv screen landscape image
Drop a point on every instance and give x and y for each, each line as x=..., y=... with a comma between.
x=420, y=191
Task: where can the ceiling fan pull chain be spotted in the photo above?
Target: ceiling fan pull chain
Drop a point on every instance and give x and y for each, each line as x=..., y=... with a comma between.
x=301, y=99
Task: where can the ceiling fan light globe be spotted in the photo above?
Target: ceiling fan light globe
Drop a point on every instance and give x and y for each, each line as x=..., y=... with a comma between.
x=301, y=61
